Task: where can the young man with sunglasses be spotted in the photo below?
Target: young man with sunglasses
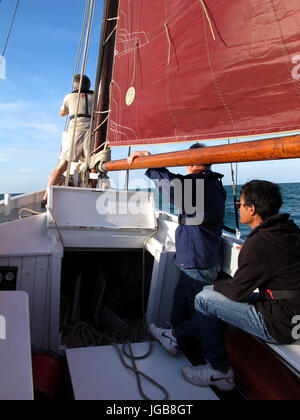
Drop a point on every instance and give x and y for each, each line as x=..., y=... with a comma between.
x=270, y=262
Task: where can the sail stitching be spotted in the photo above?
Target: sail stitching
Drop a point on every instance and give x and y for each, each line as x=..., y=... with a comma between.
x=283, y=47
x=214, y=78
x=170, y=109
x=134, y=63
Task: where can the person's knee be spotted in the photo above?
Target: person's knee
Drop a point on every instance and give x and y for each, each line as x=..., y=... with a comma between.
x=203, y=300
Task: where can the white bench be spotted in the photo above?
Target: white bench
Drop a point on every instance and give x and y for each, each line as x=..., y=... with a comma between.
x=290, y=356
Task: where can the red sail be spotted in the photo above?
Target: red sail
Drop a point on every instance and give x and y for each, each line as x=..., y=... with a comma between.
x=201, y=70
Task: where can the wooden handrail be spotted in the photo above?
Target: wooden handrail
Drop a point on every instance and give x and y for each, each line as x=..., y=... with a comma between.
x=252, y=151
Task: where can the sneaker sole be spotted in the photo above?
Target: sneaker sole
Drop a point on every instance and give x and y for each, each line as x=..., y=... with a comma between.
x=171, y=353
x=222, y=384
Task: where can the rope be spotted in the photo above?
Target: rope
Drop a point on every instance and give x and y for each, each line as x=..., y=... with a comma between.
x=79, y=53
x=134, y=63
x=112, y=32
x=169, y=41
x=36, y=213
x=208, y=19
x=56, y=225
x=31, y=213
x=79, y=89
x=98, y=148
x=100, y=125
x=234, y=189
x=9, y=31
x=138, y=373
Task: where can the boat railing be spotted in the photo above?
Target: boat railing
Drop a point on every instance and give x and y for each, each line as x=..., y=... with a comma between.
x=9, y=204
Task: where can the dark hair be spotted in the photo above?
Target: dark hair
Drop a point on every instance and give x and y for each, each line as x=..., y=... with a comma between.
x=200, y=146
x=264, y=195
x=86, y=83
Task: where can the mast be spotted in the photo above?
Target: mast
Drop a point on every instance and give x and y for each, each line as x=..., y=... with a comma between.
x=104, y=70
x=253, y=151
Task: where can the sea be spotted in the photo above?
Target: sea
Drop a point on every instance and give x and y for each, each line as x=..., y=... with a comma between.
x=291, y=204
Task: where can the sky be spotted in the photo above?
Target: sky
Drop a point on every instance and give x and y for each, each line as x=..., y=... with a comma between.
x=37, y=74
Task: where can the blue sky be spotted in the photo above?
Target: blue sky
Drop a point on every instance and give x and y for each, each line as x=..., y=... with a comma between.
x=40, y=61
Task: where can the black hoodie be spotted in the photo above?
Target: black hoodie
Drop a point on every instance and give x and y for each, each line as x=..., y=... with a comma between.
x=270, y=259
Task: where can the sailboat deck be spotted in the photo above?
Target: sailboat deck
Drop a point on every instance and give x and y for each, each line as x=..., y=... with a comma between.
x=97, y=373
x=10, y=209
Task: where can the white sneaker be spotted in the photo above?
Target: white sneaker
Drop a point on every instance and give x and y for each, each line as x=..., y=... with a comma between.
x=166, y=338
x=205, y=375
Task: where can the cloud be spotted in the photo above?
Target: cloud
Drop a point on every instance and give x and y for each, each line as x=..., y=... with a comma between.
x=15, y=106
x=27, y=170
x=3, y=158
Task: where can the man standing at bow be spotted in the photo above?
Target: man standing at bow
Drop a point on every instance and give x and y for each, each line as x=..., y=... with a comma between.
x=81, y=127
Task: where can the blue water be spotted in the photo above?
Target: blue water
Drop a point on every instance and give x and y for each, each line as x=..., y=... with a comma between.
x=290, y=194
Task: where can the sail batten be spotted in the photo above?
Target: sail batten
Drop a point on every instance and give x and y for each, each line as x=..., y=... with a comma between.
x=175, y=82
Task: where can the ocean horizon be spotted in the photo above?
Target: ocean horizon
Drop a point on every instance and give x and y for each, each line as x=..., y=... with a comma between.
x=290, y=194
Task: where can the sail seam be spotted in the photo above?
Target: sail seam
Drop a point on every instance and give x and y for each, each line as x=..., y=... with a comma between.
x=283, y=47
x=214, y=78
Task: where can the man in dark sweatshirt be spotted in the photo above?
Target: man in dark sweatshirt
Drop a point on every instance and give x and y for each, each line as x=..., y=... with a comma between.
x=270, y=262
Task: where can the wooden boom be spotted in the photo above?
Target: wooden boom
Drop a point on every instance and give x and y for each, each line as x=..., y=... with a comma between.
x=252, y=151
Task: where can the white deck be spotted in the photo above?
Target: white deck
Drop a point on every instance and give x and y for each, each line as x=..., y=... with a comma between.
x=97, y=373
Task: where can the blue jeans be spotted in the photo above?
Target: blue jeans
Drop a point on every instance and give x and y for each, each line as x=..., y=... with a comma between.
x=207, y=276
x=214, y=309
x=184, y=318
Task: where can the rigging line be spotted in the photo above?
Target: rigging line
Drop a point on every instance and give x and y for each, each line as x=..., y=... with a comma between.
x=9, y=32
x=134, y=63
x=213, y=19
x=79, y=90
x=208, y=19
x=169, y=41
x=127, y=172
x=110, y=35
x=79, y=53
x=90, y=35
x=234, y=184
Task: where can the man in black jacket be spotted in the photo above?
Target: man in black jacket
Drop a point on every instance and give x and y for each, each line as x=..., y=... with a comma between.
x=270, y=262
